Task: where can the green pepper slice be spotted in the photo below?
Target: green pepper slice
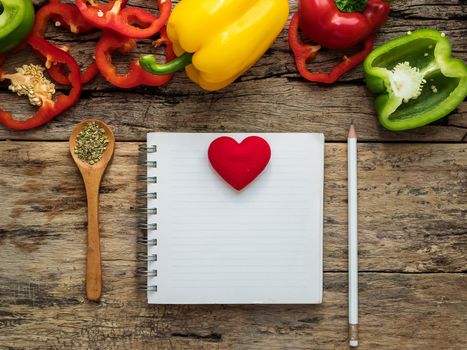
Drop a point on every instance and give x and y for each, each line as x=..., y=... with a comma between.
x=16, y=22
x=417, y=79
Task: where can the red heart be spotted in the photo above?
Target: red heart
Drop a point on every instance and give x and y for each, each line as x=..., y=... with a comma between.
x=239, y=163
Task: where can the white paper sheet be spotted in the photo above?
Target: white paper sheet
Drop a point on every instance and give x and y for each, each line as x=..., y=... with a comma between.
x=216, y=245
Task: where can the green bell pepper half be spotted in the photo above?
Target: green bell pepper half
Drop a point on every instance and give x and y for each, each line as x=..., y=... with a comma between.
x=417, y=79
x=16, y=22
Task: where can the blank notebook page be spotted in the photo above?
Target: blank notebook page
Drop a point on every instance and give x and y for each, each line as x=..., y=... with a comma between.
x=217, y=245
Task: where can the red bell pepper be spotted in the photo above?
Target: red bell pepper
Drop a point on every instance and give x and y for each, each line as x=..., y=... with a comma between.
x=122, y=21
x=49, y=108
x=69, y=17
x=136, y=75
x=322, y=22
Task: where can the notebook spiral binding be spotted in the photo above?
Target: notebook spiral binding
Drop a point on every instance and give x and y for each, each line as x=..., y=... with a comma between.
x=143, y=225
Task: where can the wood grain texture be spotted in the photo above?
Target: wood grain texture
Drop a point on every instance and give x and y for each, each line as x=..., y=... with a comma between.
x=271, y=96
x=411, y=221
x=413, y=237
x=43, y=254
x=411, y=214
x=397, y=311
x=254, y=108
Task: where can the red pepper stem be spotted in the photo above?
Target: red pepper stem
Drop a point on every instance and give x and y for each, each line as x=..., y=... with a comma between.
x=149, y=64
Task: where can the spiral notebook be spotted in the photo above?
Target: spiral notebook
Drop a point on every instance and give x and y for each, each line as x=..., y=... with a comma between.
x=210, y=244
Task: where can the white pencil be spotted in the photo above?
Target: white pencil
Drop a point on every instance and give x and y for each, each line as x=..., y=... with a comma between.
x=353, y=237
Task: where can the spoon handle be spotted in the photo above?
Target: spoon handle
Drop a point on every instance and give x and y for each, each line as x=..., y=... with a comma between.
x=93, y=266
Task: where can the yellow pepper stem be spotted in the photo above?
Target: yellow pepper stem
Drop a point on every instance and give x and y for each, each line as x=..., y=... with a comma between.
x=149, y=64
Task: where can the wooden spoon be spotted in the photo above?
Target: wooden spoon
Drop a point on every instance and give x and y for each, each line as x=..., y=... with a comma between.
x=92, y=176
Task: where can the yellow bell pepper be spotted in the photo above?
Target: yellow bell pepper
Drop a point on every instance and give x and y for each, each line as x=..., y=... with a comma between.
x=218, y=40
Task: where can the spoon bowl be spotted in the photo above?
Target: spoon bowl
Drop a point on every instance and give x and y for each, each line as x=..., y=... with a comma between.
x=92, y=176
x=106, y=157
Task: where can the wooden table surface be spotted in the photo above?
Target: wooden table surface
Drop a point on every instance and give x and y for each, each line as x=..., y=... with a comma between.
x=412, y=217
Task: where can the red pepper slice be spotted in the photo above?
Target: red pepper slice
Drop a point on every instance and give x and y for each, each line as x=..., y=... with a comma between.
x=49, y=109
x=105, y=6
x=69, y=17
x=121, y=20
x=136, y=75
x=305, y=53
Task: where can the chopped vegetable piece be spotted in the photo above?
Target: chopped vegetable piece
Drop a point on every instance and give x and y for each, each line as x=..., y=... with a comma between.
x=135, y=75
x=42, y=90
x=398, y=72
x=131, y=22
x=16, y=21
x=69, y=17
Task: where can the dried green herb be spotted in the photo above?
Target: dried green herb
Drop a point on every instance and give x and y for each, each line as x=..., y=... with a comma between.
x=91, y=143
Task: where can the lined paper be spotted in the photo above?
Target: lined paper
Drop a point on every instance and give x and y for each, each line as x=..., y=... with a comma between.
x=219, y=246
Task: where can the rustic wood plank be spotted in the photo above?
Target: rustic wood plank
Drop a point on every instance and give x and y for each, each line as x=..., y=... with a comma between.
x=43, y=306
x=274, y=105
x=269, y=97
x=436, y=9
x=412, y=212
x=412, y=205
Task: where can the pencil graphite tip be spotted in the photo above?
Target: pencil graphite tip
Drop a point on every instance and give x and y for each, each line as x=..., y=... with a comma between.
x=352, y=131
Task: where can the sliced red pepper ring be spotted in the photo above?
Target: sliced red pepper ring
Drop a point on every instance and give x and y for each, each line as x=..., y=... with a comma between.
x=304, y=53
x=136, y=75
x=59, y=75
x=105, y=7
x=131, y=22
x=49, y=108
x=68, y=16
